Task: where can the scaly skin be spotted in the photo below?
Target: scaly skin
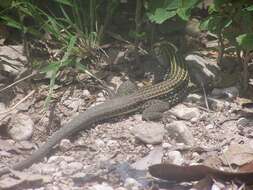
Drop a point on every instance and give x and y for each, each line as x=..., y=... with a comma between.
x=173, y=90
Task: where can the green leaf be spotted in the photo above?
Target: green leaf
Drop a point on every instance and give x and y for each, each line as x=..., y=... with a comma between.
x=161, y=15
x=171, y=4
x=12, y=23
x=51, y=67
x=70, y=47
x=184, y=13
x=65, y=2
x=245, y=41
x=189, y=4
x=204, y=24
x=249, y=8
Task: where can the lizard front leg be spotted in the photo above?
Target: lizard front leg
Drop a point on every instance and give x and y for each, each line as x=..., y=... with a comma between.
x=153, y=110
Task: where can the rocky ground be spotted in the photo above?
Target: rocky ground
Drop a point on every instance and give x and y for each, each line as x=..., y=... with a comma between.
x=215, y=130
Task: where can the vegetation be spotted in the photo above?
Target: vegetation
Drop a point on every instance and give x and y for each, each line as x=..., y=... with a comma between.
x=80, y=27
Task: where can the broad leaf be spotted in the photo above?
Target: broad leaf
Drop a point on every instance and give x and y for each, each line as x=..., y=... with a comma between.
x=184, y=13
x=161, y=15
x=249, y=8
x=245, y=41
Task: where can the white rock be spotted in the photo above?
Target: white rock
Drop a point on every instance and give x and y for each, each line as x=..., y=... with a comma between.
x=230, y=92
x=166, y=145
x=176, y=157
x=99, y=143
x=21, y=127
x=210, y=126
x=86, y=93
x=103, y=186
x=216, y=105
x=183, y=112
x=112, y=143
x=73, y=103
x=71, y=168
x=65, y=144
x=194, y=98
x=179, y=131
x=47, y=168
x=131, y=184
x=120, y=188
x=149, y=132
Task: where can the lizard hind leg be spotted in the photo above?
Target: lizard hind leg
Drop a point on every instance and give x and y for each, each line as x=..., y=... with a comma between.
x=153, y=110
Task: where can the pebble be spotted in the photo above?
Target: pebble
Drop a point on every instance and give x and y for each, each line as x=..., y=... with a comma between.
x=99, y=143
x=176, y=157
x=86, y=93
x=179, y=131
x=243, y=122
x=65, y=145
x=216, y=105
x=131, y=184
x=194, y=98
x=230, y=92
x=21, y=127
x=183, y=112
x=210, y=126
x=103, y=186
x=71, y=168
x=149, y=132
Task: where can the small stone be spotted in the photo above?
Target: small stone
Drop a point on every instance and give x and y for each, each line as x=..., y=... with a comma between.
x=154, y=157
x=179, y=131
x=65, y=144
x=183, y=112
x=21, y=127
x=47, y=168
x=194, y=98
x=166, y=145
x=73, y=103
x=71, y=168
x=243, y=122
x=68, y=158
x=63, y=164
x=86, y=93
x=54, y=159
x=25, y=145
x=103, y=186
x=2, y=107
x=195, y=157
x=194, y=120
x=210, y=126
x=137, y=117
x=99, y=143
x=100, y=98
x=176, y=157
x=58, y=159
x=120, y=188
x=112, y=143
x=116, y=81
x=149, y=132
x=230, y=92
x=132, y=184
x=215, y=104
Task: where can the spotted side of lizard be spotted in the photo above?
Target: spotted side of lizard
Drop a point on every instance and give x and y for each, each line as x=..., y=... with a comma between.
x=172, y=90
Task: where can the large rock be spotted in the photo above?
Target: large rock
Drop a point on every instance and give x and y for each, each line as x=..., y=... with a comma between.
x=183, y=112
x=149, y=132
x=179, y=131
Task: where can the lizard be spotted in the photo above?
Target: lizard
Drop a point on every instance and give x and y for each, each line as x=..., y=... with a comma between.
x=147, y=99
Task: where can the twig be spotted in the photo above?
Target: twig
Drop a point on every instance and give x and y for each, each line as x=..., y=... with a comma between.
x=205, y=97
x=18, y=81
x=21, y=101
